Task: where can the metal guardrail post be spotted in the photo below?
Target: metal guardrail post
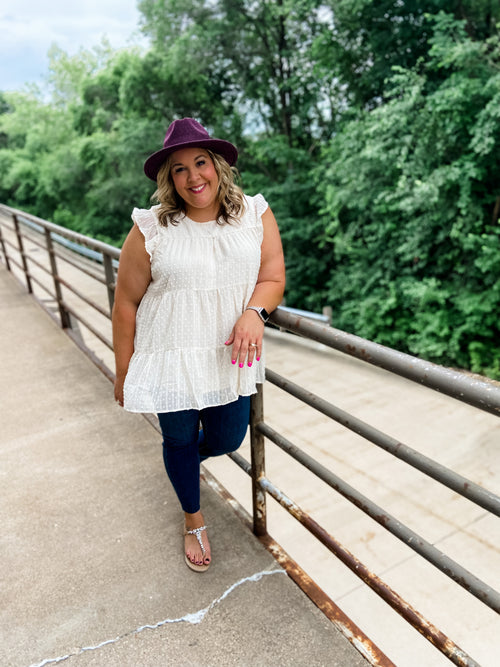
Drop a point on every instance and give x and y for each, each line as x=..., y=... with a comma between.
x=63, y=313
x=258, y=463
x=4, y=250
x=22, y=253
x=110, y=279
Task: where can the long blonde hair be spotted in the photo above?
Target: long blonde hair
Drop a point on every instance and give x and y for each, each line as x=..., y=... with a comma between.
x=229, y=194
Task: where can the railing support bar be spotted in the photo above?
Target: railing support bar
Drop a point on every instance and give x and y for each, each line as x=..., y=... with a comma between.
x=63, y=313
x=109, y=272
x=4, y=250
x=22, y=252
x=257, y=446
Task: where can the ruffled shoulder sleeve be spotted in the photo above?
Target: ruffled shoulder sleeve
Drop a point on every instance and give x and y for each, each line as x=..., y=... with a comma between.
x=147, y=222
x=261, y=204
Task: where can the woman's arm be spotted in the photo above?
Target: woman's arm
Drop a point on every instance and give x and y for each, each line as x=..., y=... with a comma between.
x=268, y=293
x=134, y=276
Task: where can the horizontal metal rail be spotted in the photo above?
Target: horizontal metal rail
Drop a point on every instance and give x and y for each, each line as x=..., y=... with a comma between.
x=75, y=237
x=87, y=324
x=465, y=487
x=84, y=298
x=40, y=265
x=11, y=245
x=411, y=615
x=403, y=608
x=34, y=241
x=64, y=255
x=16, y=263
x=466, y=579
x=479, y=393
x=43, y=287
x=88, y=272
x=316, y=317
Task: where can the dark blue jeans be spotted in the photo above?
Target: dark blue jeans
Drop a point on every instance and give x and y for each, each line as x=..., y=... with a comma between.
x=185, y=446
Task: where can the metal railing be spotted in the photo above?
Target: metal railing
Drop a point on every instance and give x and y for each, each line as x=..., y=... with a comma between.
x=22, y=236
x=476, y=392
x=52, y=278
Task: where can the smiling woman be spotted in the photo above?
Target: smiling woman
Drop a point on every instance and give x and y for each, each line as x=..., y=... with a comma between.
x=198, y=273
x=30, y=28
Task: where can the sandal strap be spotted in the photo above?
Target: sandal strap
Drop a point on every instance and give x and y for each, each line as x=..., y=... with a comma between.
x=197, y=532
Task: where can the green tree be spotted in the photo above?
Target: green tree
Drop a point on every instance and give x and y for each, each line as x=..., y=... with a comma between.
x=411, y=207
x=370, y=37
x=257, y=55
x=34, y=132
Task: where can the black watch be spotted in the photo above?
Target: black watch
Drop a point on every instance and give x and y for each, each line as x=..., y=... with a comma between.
x=263, y=314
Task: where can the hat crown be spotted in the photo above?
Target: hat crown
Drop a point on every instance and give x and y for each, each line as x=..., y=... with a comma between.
x=184, y=131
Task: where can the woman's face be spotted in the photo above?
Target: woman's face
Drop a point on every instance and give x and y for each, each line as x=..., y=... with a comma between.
x=196, y=181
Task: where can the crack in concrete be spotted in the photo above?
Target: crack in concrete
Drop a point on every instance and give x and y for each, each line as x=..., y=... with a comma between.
x=193, y=618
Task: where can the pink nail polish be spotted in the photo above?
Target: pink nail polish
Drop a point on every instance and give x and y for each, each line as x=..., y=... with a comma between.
x=249, y=363
x=226, y=342
x=241, y=365
x=233, y=361
x=258, y=358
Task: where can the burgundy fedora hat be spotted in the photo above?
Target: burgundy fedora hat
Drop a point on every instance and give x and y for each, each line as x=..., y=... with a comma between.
x=184, y=133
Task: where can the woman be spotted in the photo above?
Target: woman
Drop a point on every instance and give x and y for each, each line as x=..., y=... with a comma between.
x=198, y=274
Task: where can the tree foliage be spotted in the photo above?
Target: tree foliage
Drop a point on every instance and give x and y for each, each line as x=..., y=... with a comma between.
x=410, y=207
x=370, y=126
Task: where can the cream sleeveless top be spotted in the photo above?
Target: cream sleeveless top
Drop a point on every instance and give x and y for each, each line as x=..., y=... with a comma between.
x=203, y=275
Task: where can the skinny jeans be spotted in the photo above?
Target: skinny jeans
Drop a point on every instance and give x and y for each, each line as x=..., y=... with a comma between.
x=185, y=446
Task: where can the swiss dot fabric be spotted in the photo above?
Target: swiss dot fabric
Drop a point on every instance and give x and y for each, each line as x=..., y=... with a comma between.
x=203, y=275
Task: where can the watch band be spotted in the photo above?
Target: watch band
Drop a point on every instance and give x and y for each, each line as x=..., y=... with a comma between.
x=263, y=314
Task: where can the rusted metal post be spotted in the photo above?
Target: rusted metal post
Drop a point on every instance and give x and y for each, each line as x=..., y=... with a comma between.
x=63, y=313
x=110, y=279
x=258, y=462
x=4, y=249
x=22, y=253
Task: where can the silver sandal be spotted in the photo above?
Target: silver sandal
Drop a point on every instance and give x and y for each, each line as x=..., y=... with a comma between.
x=193, y=566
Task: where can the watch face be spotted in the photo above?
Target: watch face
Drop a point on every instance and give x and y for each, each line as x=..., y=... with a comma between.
x=263, y=314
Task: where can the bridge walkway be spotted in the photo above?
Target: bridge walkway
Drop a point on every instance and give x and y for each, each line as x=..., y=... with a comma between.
x=91, y=567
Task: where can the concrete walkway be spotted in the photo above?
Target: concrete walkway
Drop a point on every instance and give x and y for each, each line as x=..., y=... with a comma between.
x=91, y=566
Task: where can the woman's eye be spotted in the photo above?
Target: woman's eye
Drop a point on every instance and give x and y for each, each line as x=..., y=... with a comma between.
x=177, y=170
x=200, y=163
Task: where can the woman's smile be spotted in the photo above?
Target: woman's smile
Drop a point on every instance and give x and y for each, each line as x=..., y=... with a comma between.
x=197, y=189
x=196, y=181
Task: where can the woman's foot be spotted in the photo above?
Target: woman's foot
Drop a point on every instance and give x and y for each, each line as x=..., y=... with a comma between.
x=196, y=544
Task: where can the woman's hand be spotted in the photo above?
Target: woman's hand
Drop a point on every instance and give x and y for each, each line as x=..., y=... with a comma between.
x=119, y=391
x=246, y=338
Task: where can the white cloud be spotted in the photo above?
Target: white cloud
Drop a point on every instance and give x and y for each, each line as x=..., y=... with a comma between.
x=29, y=27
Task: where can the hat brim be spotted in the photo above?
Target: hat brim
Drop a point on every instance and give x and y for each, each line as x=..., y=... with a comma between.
x=220, y=146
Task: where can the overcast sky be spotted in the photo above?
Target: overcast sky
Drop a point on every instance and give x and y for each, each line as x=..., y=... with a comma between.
x=29, y=27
